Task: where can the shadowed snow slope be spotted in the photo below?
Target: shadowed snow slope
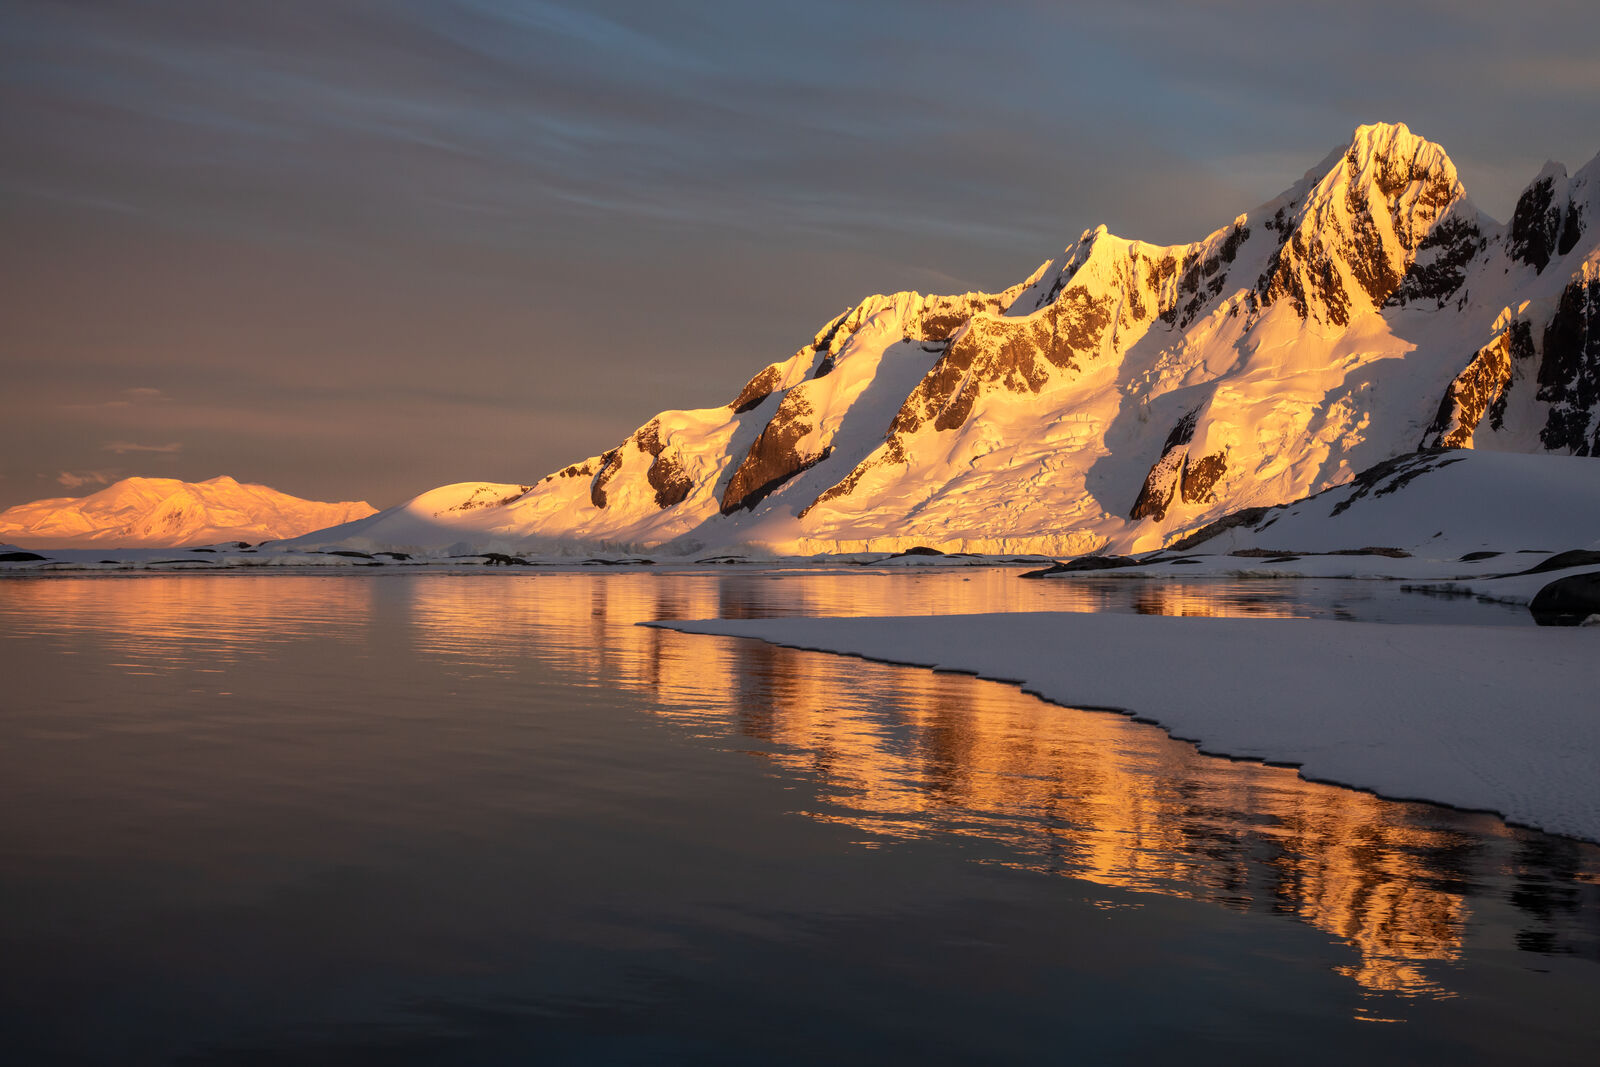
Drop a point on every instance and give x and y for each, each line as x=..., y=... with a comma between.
x=1436, y=505
x=164, y=512
x=1121, y=395
x=1497, y=718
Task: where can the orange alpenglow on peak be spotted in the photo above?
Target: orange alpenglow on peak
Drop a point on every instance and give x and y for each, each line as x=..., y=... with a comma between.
x=1123, y=395
x=168, y=513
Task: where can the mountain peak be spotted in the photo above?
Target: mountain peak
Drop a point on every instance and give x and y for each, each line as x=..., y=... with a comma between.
x=1392, y=159
x=166, y=512
x=1386, y=138
x=1350, y=244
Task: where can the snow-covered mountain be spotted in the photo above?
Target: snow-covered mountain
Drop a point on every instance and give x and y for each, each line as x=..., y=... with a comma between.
x=1124, y=393
x=165, y=512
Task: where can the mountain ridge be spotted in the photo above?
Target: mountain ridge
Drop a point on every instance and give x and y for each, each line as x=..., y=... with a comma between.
x=170, y=513
x=1123, y=393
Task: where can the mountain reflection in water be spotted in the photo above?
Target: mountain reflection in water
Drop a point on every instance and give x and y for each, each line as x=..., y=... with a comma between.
x=899, y=753
x=1094, y=796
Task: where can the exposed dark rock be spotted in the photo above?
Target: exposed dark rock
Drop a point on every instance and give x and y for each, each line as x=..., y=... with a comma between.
x=1577, y=557
x=1367, y=260
x=1211, y=268
x=1440, y=267
x=1571, y=229
x=500, y=559
x=1473, y=557
x=1370, y=550
x=1535, y=224
x=1182, y=433
x=1567, y=601
x=1160, y=486
x=1476, y=390
x=1100, y=563
x=202, y=550
x=1307, y=269
x=344, y=552
x=1242, y=517
x=20, y=557
x=1292, y=266
x=1162, y=482
x=892, y=453
x=1016, y=353
x=824, y=345
x=394, y=555
x=667, y=474
x=670, y=480
x=919, y=550
x=1569, y=374
x=755, y=391
x=1519, y=339
x=1392, y=475
x=610, y=463
x=1201, y=475
x=773, y=457
x=647, y=438
x=1087, y=563
x=574, y=471
x=476, y=500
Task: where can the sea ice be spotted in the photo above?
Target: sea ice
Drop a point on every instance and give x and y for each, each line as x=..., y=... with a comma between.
x=1495, y=718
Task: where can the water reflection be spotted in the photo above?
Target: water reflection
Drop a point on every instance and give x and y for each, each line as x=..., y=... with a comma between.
x=901, y=754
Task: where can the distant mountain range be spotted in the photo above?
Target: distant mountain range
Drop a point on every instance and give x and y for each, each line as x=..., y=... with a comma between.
x=165, y=512
x=1124, y=393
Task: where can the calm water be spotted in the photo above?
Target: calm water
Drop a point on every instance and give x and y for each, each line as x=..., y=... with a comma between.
x=434, y=818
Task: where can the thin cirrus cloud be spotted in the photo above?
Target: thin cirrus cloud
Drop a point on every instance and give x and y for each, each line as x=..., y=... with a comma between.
x=122, y=448
x=127, y=398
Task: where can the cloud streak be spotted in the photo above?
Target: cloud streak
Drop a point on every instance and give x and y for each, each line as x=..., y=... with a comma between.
x=79, y=479
x=122, y=448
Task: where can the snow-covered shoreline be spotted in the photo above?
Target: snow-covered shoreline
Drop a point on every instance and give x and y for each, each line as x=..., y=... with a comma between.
x=1499, y=719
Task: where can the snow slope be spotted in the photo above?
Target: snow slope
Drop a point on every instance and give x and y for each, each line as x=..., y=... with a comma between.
x=1123, y=394
x=1436, y=505
x=1493, y=718
x=166, y=512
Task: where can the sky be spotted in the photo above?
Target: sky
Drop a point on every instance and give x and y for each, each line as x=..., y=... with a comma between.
x=356, y=249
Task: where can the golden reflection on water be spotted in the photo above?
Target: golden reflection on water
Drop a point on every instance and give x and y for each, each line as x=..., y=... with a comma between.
x=190, y=622
x=893, y=752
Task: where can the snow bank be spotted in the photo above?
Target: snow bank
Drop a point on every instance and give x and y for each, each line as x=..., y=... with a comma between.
x=1499, y=719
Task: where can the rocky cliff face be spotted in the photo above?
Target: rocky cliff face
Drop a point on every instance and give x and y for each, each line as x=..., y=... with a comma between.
x=1126, y=393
